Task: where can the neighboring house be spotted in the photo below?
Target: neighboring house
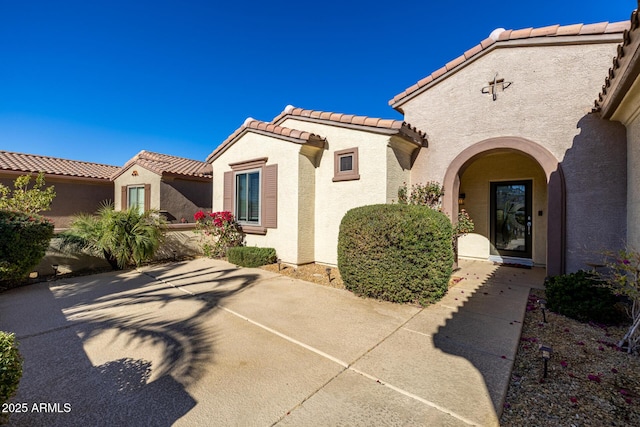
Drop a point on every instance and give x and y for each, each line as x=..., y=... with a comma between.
x=290, y=188
x=80, y=187
x=620, y=101
x=176, y=186
x=511, y=137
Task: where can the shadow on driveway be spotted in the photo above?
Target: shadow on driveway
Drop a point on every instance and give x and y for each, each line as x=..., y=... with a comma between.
x=114, y=349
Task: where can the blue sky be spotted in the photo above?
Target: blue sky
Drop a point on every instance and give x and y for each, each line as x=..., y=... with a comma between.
x=101, y=80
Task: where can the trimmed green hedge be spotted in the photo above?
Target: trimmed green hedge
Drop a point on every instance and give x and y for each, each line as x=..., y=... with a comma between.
x=10, y=367
x=582, y=297
x=250, y=256
x=24, y=239
x=399, y=253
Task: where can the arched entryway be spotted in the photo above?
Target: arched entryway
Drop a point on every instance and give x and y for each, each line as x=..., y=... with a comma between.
x=495, y=165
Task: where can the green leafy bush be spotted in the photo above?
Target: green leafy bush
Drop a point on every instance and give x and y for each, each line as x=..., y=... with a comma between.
x=124, y=238
x=399, y=253
x=249, y=256
x=10, y=367
x=582, y=297
x=24, y=239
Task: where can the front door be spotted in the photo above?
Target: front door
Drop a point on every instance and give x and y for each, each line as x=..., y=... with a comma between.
x=511, y=222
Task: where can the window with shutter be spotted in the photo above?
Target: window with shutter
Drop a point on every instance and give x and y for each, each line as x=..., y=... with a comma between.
x=250, y=192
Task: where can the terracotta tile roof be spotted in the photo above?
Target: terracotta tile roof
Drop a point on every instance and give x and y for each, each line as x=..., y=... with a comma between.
x=624, y=70
x=164, y=164
x=397, y=126
x=501, y=35
x=32, y=163
x=257, y=126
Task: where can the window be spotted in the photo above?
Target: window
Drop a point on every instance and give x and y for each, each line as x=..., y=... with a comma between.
x=346, y=165
x=248, y=197
x=136, y=198
x=251, y=193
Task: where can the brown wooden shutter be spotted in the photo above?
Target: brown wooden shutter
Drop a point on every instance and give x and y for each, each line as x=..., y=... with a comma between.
x=147, y=197
x=270, y=187
x=227, y=196
x=123, y=198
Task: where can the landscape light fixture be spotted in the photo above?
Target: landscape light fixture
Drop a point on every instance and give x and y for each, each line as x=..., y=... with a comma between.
x=328, y=270
x=55, y=269
x=543, y=306
x=279, y=261
x=546, y=355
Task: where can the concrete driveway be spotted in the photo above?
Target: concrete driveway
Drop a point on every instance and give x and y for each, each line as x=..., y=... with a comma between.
x=203, y=343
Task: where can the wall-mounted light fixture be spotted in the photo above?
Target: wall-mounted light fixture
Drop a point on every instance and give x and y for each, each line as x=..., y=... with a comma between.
x=461, y=198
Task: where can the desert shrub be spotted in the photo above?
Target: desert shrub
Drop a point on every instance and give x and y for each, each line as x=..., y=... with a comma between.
x=250, y=256
x=218, y=232
x=10, y=367
x=583, y=297
x=24, y=239
x=399, y=252
x=127, y=237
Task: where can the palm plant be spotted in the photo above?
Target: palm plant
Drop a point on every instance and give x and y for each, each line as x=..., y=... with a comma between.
x=122, y=237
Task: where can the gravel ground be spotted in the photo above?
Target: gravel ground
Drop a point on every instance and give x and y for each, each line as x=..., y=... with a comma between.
x=315, y=273
x=590, y=381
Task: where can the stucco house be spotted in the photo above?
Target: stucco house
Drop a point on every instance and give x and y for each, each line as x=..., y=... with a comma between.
x=619, y=101
x=80, y=186
x=290, y=188
x=176, y=186
x=507, y=128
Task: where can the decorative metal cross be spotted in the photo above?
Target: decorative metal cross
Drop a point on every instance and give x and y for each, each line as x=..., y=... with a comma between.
x=495, y=86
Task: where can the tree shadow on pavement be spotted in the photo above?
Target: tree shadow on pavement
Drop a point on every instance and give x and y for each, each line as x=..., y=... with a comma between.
x=116, y=348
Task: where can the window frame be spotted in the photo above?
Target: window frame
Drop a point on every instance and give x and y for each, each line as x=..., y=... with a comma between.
x=140, y=202
x=247, y=167
x=236, y=201
x=346, y=175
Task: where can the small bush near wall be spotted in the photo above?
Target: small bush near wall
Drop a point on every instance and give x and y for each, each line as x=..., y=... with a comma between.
x=248, y=256
x=582, y=297
x=24, y=239
x=399, y=253
x=10, y=368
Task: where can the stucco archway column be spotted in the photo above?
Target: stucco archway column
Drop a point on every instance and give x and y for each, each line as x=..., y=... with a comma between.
x=555, y=189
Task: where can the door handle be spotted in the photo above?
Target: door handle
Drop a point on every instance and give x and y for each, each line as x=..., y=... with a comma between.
x=529, y=226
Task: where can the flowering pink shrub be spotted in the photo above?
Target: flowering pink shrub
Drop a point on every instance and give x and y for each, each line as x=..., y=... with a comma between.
x=218, y=231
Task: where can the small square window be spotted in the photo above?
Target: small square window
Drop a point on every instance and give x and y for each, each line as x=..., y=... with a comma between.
x=346, y=165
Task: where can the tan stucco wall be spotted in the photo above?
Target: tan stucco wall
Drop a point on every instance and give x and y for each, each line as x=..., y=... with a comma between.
x=475, y=184
x=633, y=182
x=306, y=205
x=334, y=199
x=181, y=198
x=628, y=113
x=145, y=176
x=549, y=102
x=72, y=197
x=286, y=155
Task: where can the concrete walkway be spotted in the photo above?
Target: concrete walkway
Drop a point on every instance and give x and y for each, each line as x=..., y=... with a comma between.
x=205, y=343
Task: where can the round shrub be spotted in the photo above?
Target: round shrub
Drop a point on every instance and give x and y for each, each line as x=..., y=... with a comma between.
x=398, y=253
x=24, y=239
x=582, y=297
x=10, y=367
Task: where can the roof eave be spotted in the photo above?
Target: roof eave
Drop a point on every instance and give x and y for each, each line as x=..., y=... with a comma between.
x=443, y=73
x=623, y=73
